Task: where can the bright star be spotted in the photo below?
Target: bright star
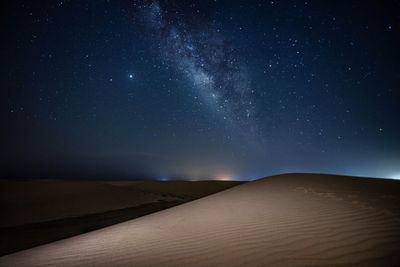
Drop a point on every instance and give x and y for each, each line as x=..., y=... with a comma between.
x=130, y=76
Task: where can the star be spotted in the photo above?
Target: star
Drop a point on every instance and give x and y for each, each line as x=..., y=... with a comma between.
x=131, y=76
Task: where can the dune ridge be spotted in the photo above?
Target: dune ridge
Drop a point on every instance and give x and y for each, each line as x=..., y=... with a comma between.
x=36, y=212
x=286, y=220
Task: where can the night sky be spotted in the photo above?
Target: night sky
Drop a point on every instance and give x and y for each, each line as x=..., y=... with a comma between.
x=199, y=89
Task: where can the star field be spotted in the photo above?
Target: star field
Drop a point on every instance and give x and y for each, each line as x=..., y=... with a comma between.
x=200, y=89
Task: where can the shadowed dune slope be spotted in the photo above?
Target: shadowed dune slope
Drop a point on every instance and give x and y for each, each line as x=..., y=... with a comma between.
x=191, y=190
x=24, y=202
x=286, y=220
x=42, y=211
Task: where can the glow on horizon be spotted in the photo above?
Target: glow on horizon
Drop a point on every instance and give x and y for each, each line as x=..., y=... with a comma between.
x=224, y=177
x=163, y=178
x=396, y=176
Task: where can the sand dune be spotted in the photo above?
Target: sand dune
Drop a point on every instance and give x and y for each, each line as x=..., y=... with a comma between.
x=42, y=211
x=287, y=220
x=24, y=202
x=191, y=190
x=44, y=200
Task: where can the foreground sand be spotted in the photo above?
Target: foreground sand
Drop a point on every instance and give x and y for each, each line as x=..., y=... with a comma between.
x=288, y=220
x=23, y=202
x=38, y=212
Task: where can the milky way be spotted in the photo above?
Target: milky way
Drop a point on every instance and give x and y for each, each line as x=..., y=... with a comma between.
x=209, y=63
x=198, y=89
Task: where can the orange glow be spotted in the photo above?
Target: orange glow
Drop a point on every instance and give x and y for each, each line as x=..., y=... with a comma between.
x=224, y=177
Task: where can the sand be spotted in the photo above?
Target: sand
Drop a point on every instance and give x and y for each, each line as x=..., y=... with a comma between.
x=44, y=200
x=42, y=211
x=287, y=220
x=191, y=190
x=23, y=202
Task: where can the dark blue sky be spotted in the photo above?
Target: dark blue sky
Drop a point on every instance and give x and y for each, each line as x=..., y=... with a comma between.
x=199, y=89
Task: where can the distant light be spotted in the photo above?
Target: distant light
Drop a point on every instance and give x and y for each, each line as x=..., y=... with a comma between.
x=396, y=176
x=130, y=76
x=224, y=177
x=163, y=178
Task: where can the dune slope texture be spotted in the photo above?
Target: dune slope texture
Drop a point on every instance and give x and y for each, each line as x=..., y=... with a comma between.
x=42, y=211
x=287, y=220
x=23, y=202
